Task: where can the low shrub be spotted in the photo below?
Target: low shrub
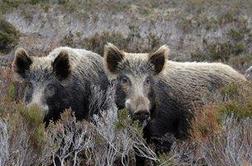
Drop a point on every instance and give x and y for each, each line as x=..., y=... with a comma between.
x=9, y=36
x=108, y=140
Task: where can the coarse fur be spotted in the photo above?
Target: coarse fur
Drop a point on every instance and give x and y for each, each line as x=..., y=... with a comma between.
x=61, y=80
x=166, y=90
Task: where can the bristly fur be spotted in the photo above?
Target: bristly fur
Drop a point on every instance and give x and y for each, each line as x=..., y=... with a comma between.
x=72, y=72
x=114, y=61
x=178, y=88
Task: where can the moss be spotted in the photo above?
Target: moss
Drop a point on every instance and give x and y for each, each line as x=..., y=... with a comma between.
x=9, y=36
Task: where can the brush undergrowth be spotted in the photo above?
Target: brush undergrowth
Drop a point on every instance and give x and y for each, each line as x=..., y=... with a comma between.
x=220, y=134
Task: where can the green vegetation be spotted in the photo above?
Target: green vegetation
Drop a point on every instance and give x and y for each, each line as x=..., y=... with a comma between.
x=239, y=110
x=8, y=5
x=214, y=52
x=165, y=160
x=79, y=140
x=11, y=92
x=233, y=47
x=9, y=36
x=219, y=51
x=234, y=101
x=97, y=42
x=124, y=121
x=24, y=120
x=228, y=17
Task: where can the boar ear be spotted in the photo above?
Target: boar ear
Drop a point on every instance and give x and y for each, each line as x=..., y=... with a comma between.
x=112, y=57
x=157, y=59
x=21, y=63
x=61, y=65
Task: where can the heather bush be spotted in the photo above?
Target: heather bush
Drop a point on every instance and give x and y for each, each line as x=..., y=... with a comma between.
x=111, y=138
x=9, y=36
x=220, y=134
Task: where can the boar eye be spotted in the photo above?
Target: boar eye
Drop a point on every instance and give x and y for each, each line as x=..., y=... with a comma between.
x=124, y=80
x=147, y=81
x=50, y=90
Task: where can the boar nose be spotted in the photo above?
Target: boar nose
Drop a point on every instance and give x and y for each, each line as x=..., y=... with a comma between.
x=139, y=107
x=142, y=115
